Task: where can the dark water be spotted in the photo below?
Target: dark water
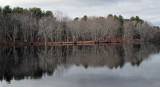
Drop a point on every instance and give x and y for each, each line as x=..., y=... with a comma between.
x=81, y=66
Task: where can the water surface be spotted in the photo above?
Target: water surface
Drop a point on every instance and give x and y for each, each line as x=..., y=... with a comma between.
x=81, y=66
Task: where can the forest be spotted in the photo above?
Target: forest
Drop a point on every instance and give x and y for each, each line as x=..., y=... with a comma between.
x=35, y=25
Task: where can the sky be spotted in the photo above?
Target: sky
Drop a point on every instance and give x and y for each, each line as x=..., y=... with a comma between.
x=147, y=10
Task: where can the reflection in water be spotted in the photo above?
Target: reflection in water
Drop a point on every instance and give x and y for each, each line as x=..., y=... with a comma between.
x=33, y=62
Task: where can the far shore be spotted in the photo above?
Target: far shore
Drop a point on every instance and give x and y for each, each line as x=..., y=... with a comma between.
x=117, y=42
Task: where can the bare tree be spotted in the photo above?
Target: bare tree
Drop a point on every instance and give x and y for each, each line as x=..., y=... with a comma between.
x=129, y=27
x=44, y=28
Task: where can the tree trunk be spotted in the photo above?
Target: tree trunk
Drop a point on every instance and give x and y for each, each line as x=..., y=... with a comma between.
x=45, y=39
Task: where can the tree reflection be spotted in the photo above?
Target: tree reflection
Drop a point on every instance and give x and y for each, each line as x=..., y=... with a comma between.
x=33, y=62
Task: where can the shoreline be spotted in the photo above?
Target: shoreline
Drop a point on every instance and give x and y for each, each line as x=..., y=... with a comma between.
x=78, y=43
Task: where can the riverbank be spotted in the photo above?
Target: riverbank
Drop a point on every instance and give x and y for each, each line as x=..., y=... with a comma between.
x=113, y=41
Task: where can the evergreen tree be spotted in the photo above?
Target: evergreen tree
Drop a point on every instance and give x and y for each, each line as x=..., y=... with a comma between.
x=18, y=10
x=84, y=18
x=49, y=13
x=37, y=12
x=76, y=19
x=7, y=10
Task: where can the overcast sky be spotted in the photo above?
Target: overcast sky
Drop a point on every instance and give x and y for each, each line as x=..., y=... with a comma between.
x=146, y=9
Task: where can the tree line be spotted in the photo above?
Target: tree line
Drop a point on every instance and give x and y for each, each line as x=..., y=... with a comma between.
x=34, y=25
